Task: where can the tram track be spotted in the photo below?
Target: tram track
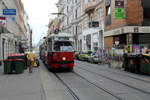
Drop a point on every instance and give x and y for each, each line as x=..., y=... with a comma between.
x=125, y=84
x=68, y=88
x=102, y=88
x=93, y=84
x=118, y=73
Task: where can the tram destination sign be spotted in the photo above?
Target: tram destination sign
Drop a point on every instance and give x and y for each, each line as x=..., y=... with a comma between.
x=9, y=11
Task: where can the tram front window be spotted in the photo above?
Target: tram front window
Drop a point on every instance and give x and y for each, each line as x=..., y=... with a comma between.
x=63, y=46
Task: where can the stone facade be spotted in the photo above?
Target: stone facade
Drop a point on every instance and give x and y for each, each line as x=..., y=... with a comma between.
x=82, y=17
x=12, y=34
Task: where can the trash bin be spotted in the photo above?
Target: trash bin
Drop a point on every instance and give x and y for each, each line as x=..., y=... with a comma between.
x=132, y=63
x=125, y=62
x=8, y=66
x=19, y=56
x=19, y=65
x=145, y=64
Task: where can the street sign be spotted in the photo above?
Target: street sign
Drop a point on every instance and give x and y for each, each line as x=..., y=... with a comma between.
x=11, y=18
x=119, y=3
x=119, y=13
x=9, y=11
x=2, y=21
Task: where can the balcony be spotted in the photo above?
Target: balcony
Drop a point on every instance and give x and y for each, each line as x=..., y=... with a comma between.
x=90, y=6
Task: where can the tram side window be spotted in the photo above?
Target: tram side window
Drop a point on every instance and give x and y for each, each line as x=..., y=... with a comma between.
x=56, y=47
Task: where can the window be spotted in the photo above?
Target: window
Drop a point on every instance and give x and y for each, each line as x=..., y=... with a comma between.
x=63, y=46
x=76, y=1
x=147, y=13
x=99, y=12
x=67, y=9
x=107, y=10
x=76, y=14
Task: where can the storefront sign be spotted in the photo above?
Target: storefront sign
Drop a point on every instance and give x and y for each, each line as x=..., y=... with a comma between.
x=136, y=29
x=127, y=29
x=119, y=13
x=9, y=11
x=119, y=3
x=11, y=18
x=136, y=49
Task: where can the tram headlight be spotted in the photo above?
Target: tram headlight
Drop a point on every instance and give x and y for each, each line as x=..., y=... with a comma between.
x=63, y=58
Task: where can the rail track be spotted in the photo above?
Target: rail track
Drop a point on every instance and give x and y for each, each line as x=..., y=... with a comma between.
x=118, y=73
x=125, y=84
x=93, y=84
x=68, y=88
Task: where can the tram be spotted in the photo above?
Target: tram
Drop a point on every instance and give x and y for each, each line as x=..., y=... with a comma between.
x=57, y=51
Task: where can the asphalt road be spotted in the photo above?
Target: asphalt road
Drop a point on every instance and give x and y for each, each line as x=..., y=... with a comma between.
x=95, y=82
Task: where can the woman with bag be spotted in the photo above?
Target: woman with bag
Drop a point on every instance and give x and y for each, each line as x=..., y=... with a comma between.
x=31, y=59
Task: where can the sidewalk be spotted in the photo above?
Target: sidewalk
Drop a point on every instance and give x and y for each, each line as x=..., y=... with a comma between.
x=25, y=86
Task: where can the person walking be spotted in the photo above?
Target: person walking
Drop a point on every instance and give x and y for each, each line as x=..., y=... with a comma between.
x=31, y=59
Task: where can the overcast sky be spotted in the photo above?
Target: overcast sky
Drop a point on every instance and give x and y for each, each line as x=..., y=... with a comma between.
x=38, y=12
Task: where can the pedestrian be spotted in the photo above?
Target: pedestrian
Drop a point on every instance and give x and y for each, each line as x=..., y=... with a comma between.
x=31, y=59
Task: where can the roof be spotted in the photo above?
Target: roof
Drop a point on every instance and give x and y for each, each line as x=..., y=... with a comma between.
x=61, y=35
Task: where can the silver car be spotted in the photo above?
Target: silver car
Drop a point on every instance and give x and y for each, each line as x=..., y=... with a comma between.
x=94, y=58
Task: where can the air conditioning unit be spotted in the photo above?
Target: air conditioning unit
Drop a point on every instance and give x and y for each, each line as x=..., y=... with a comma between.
x=93, y=24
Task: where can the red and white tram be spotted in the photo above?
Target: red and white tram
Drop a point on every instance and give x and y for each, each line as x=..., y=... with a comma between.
x=57, y=51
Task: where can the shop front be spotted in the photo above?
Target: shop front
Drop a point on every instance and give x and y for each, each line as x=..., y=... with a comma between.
x=128, y=35
x=91, y=39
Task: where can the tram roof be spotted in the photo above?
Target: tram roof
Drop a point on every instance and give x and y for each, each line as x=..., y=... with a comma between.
x=61, y=35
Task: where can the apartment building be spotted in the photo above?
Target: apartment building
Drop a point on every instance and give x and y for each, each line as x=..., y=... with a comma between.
x=131, y=27
x=106, y=23
x=92, y=24
x=84, y=20
x=25, y=41
x=69, y=12
x=12, y=32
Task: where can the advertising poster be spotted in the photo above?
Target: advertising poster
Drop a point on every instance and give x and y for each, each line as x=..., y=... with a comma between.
x=136, y=49
x=119, y=13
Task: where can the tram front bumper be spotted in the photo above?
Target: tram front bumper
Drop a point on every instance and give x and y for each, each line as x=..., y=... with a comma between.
x=63, y=64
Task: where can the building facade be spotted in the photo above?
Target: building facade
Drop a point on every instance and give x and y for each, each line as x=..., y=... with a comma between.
x=98, y=24
x=92, y=24
x=131, y=28
x=12, y=31
x=25, y=41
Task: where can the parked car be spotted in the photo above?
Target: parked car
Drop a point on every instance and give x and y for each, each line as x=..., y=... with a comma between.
x=94, y=58
x=84, y=56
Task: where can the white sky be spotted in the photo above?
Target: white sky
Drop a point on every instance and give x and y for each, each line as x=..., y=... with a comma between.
x=38, y=12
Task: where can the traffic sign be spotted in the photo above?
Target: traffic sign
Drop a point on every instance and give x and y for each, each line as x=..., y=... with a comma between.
x=2, y=21
x=9, y=11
